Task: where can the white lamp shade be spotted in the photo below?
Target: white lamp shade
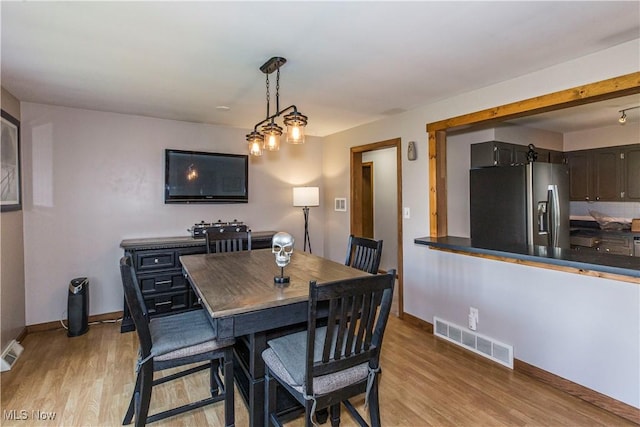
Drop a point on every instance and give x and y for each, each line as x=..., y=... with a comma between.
x=306, y=196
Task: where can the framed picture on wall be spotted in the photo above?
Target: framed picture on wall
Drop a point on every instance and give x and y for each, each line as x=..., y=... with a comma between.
x=10, y=194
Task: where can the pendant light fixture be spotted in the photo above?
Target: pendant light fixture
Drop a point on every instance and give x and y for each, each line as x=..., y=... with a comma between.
x=268, y=137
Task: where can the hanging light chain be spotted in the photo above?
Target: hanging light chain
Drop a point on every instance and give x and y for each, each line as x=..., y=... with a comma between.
x=268, y=97
x=278, y=90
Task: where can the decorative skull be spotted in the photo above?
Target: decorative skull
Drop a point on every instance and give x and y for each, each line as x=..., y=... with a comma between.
x=282, y=246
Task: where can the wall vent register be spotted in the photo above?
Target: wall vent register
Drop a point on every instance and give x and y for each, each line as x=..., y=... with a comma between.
x=480, y=344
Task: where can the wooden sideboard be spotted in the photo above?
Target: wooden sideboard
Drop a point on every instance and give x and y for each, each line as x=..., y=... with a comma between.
x=159, y=272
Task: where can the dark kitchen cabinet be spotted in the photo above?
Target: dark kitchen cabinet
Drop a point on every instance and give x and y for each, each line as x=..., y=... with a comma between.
x=549, y=156
x=491, y=153
x=631, y=172
x=605, y=174
x=579, y=174
x=496, y=153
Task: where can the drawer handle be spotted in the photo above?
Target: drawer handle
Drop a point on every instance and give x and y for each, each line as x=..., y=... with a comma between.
x=155, y=261
x=163, y=303
x=164, y=282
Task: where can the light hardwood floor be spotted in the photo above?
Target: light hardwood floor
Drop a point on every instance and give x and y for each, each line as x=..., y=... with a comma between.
x=87, y=381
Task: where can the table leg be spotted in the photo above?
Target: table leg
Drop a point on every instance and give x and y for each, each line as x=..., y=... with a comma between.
x=257, y=343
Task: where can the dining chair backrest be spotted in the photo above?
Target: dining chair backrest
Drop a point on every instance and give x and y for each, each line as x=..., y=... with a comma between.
x=135, y=302
x=227, y=241
x=364, y=254
x=358, y=310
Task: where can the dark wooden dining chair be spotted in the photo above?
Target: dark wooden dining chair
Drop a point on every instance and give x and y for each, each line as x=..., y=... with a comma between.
x=227, y=241
x=174, y=341
x=325, y=366
x=364, y=254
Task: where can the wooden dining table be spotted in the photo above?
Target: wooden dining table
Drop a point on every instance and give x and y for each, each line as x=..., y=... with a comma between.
x=238, y=291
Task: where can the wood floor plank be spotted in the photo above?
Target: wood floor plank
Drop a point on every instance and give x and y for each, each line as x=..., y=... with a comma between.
x=425, y=381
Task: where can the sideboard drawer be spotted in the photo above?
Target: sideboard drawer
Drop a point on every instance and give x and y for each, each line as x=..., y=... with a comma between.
x=155, y=260
x=154, y=282
x=165, y=303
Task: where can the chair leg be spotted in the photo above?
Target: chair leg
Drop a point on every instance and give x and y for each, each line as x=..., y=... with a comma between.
x=308, y=413
x=374, y=404
x=229, y=414
x=335, y=415
x=146, y=384
x=132, y=405
x=270, y=387
x=214, y=377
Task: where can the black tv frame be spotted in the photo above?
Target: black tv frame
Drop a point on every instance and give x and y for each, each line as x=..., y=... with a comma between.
x=207, y=198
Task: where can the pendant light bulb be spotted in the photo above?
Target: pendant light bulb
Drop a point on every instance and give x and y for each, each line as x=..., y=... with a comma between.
x=295, y=123
x=272, y=134
x=256, y=142
x=623, y=118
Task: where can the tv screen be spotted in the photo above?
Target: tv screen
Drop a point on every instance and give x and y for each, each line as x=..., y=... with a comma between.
x=201, y=177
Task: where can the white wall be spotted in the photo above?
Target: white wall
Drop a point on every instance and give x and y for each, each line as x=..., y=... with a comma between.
x=385, y=215
x=93, y=178
x=581, y=328
x=602, y=137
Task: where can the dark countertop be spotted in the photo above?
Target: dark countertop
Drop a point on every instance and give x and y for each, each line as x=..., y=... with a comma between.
x=599, y=262
x=179, y=241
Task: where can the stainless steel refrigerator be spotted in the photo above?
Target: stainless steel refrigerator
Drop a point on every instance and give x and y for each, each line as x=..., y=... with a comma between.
x=513, y=207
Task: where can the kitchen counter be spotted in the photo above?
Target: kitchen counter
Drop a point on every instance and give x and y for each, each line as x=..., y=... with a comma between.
x=625, y=268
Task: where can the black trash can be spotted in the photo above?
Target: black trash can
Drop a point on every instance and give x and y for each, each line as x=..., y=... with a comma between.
x=78, y=307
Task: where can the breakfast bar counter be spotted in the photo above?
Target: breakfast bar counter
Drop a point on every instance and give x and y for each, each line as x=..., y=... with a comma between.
x=617, y=267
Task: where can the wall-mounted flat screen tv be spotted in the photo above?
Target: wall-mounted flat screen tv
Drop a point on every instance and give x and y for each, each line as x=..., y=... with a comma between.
x=201, y=177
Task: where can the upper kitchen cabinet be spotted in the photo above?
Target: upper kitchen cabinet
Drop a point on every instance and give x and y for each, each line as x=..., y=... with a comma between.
x=496, y=153
x=491, y=153
x=631, y=172
x=605, y=174
x=579, y=174
x=549, y=156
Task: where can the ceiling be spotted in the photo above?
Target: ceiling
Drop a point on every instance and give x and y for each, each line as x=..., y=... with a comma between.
x=348, y=63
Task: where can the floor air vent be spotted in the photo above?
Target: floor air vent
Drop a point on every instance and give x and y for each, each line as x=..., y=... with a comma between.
x=10, y=355
x=484, y=346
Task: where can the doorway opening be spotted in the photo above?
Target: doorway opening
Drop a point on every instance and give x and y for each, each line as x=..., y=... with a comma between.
x=376, y=208
x=367, y=200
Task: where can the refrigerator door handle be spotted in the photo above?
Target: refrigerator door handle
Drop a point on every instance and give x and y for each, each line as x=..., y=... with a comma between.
x=554, y=214
x=543, y=217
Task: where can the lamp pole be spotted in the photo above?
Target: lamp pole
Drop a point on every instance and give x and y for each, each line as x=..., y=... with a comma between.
x=305, y=211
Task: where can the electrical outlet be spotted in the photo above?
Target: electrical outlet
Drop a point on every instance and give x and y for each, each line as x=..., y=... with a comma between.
x=473, y=318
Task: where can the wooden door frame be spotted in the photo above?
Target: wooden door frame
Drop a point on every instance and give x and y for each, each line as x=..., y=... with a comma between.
x=356, y=202
x=616, y=87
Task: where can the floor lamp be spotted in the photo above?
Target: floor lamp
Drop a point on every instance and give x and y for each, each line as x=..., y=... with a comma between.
x=305, y=197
